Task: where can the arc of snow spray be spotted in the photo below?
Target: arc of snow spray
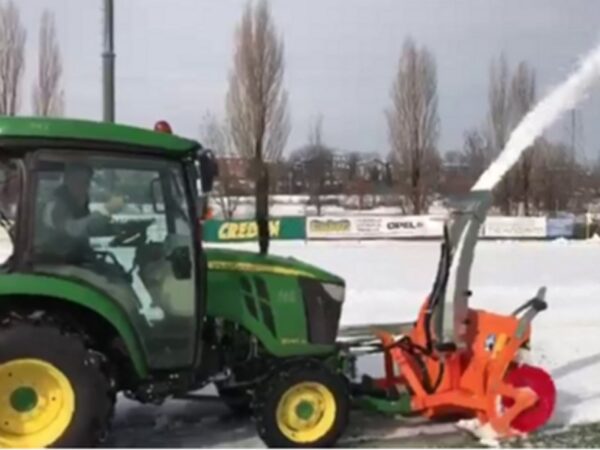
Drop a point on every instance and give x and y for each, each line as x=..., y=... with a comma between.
x=562, y=99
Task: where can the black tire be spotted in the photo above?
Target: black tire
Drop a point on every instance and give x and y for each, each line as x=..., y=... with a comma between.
x=238, y=400
x=272, y=393
x=94, y=399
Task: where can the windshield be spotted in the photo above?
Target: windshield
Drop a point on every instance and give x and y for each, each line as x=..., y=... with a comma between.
x=122, y=225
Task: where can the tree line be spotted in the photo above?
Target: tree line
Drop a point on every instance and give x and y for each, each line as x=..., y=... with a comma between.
x=47, y=91
x=257, y=122
x=547, y=179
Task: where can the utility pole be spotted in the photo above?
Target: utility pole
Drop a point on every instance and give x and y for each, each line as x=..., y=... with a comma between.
x=108, y=65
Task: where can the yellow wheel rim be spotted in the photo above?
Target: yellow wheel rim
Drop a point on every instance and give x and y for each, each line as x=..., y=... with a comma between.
x=306, y=412
x=37, y=403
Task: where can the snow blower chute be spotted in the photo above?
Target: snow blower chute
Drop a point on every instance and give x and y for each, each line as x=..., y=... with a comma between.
x=463, y=362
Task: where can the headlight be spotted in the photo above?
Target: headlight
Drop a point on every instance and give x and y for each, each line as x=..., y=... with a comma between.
x=335, y=291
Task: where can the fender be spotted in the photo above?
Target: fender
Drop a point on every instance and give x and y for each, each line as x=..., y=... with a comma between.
x=77, y=293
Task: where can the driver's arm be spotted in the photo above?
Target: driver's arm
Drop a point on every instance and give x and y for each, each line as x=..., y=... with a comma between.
x=56, y=216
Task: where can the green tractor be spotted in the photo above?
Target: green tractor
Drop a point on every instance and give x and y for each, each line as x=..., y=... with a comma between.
x=106, y=288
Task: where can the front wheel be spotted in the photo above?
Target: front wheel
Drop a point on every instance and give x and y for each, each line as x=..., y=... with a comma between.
x=305, y=406
x=52, y=391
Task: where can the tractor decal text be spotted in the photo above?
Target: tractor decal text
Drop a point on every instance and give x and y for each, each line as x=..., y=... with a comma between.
x=240, y=266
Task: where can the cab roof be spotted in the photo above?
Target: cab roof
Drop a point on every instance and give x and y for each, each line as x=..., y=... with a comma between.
x=53, y=129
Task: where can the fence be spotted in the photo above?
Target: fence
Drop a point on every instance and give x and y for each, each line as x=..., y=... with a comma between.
x=358, y=227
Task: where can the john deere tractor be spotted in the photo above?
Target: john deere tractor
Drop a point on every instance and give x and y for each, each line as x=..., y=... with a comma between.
x=106, y=288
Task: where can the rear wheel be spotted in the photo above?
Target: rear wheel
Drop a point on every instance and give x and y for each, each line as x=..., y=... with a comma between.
x=52, y=391
x=302, y=407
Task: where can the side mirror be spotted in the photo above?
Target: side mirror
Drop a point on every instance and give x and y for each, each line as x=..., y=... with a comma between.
x=158, y=204
x=209, y=169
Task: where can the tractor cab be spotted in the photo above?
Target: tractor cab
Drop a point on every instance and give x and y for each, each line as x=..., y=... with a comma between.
x=114, y=218
x=105, y=287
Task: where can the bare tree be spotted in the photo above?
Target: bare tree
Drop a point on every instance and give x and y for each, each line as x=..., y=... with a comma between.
x=553, y=180
x=476, y=154
x=522, y=99
x=353, y=161
x=48, y=95
x=316, y=161
x=257, y=102
x=12, y=58
x=215, y=135
x=499, y=123
x=413, y=123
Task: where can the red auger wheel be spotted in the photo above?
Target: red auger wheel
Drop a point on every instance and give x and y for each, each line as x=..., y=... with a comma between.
x=541, y=383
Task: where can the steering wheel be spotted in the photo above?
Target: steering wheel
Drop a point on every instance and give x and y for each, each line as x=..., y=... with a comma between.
x=131, y=233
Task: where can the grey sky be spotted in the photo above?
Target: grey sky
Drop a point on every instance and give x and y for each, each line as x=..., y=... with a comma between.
x=173, y=58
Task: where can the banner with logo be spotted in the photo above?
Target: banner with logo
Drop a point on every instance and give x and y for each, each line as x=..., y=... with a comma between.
x=514, y=227
x=247, y=230
x=373, y=227
x=560, y=227
x=330, y=228
x=412, y=227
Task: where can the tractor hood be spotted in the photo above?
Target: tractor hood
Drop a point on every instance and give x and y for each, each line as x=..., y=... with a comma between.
x=243, y=261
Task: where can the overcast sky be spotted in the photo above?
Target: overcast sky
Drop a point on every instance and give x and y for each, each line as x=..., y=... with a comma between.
x=173, y=59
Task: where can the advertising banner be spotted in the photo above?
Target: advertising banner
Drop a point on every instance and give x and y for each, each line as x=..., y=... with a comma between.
x=373, y=227
x=514, y=227
x=247, y=230
x=412, y=227
x=560, y=227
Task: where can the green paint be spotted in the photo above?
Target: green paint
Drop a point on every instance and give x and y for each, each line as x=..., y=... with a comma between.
x=251, y=258
x=226, y=299
x=53, y=128
x=305, y=410
x=281, y=277
x=14, y=285
x=401, y=406
x=247, y=230
x=23, y=399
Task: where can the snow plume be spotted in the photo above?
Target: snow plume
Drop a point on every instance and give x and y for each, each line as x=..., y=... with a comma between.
x=562, y=99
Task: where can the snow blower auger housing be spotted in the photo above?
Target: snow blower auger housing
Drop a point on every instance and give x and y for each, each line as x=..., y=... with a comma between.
x=463, y=362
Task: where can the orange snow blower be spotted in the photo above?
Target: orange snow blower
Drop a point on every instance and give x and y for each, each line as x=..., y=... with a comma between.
x=463, y=362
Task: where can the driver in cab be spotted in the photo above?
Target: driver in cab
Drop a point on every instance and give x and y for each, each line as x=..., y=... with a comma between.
x=68, y=214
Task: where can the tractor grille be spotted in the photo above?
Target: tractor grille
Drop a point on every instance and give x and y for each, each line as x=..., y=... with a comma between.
x=322, y=310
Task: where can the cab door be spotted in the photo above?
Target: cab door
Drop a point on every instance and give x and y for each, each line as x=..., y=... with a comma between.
x=145, y=260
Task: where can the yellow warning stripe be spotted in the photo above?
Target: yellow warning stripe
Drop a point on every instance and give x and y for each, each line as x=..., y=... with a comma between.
x=238, y=266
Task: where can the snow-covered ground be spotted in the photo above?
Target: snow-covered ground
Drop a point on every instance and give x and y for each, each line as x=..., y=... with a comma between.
x=386, y=282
